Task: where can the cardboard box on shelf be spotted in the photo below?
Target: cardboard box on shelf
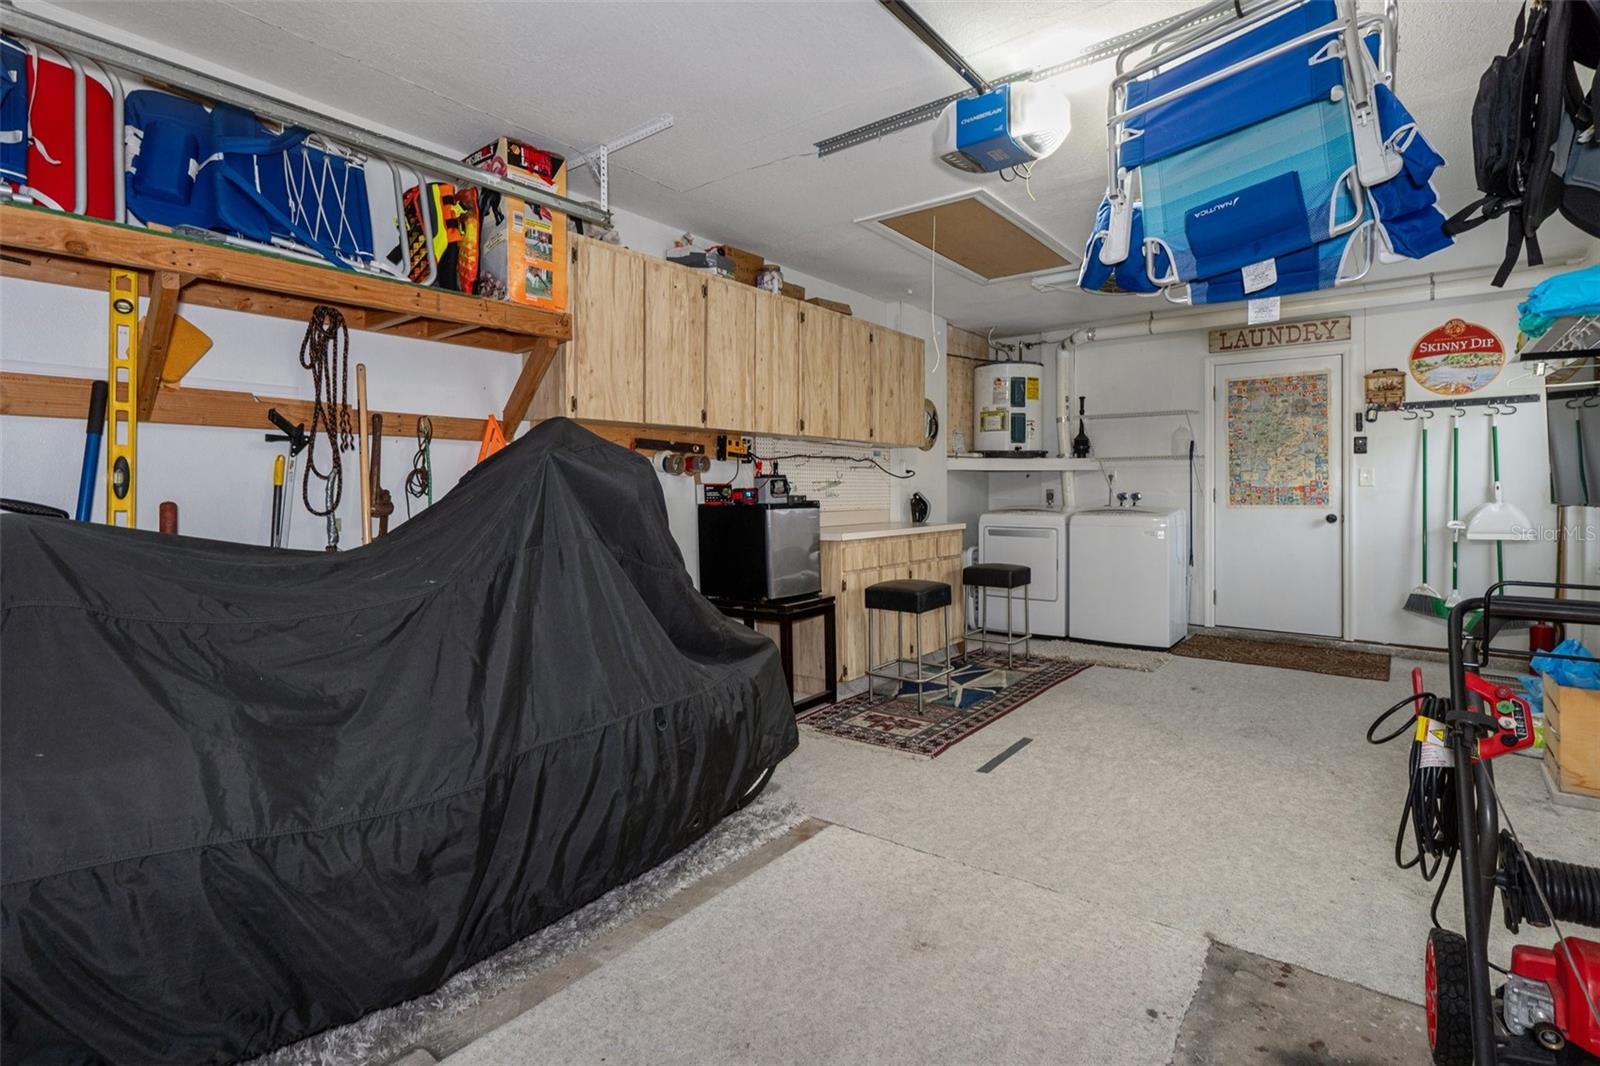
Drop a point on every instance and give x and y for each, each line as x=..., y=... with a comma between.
x=832, y=305
x=523, y=255
x=746, y=265
x=1572, y=737
x=793, y=291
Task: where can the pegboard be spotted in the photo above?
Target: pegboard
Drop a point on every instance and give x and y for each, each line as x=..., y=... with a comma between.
x=836, y=486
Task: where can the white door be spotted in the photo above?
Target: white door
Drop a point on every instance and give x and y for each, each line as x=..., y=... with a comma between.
x=1277, y=528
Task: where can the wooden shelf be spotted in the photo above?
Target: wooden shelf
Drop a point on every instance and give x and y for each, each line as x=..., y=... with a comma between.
x=66, y=249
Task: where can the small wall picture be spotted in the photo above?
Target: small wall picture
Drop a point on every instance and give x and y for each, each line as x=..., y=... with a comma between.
x=1457, y=358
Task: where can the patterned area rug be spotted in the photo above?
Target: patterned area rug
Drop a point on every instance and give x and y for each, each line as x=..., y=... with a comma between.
x=982, y=691
x=1312, y=658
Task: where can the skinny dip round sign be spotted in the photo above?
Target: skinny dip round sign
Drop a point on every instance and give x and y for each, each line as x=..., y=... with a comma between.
x=1457, y=358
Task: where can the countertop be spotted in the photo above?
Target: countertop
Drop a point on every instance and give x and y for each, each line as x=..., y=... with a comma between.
x=868, y=530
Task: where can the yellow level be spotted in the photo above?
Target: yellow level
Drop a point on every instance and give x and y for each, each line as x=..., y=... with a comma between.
x=122, y=407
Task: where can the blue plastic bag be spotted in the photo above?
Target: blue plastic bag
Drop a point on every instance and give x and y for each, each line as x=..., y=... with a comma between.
x=1583, y=672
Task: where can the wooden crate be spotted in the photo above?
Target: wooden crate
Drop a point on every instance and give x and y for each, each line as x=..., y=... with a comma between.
x=746, y=265
x=793, y=291
x=1572, y=737
x=832, y=305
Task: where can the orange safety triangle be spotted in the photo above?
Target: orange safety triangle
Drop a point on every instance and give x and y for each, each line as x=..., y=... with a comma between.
x=493, y=439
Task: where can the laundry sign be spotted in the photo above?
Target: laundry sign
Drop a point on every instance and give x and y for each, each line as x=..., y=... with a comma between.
x=1280, y=334
x=1457, y=358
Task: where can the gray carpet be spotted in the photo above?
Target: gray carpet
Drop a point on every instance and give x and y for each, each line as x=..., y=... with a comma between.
x=384, y=1035
x=1098, y=654
x=851, y=949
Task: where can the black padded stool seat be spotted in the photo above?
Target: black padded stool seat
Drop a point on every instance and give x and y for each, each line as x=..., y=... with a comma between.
x=996, y=575
x=908, y=596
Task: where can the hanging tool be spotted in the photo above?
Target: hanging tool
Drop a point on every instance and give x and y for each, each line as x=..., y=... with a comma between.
x=297, y=439
x=277, y=501
x=1425, y=599
x=1497, y=520
x=1455, y=525
x=419, y=482
x=382, y=501
x=493, y=439
x=122, y=399
x=332, y=517
x=366, y=473
x=95, y=431
x=325, y=351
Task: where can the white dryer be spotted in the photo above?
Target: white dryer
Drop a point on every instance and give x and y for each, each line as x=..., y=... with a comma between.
x=1130, y=576
x=1036, y=538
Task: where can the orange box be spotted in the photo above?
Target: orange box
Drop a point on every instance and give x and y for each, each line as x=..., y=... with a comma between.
x=523, y=256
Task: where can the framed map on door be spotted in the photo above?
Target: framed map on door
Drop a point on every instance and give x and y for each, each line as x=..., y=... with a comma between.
x=1278, y=430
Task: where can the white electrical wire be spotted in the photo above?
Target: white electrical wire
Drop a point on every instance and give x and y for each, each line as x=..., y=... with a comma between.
x=933, y=294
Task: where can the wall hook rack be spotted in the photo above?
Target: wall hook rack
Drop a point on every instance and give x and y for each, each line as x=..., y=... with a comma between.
x=1505, y=405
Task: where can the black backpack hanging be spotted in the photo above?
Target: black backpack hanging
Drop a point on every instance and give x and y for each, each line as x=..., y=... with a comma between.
x=1528, y=126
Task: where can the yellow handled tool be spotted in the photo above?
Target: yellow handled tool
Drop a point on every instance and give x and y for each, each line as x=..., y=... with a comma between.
x=277, y=503
x=122, y=405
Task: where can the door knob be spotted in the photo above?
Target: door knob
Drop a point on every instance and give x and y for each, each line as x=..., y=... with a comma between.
x=1330, y=519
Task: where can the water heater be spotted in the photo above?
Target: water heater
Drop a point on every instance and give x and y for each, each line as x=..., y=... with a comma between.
x=1006, y=408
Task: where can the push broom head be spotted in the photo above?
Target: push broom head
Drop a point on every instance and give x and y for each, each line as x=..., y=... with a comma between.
x=1424, y=600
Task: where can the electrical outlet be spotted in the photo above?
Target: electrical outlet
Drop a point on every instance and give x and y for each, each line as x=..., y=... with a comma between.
x=1049, y=497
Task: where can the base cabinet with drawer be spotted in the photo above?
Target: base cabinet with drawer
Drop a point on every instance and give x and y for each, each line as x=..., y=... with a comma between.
x=850, y=566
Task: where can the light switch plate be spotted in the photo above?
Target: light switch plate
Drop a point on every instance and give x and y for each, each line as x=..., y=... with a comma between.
x=1367, y=477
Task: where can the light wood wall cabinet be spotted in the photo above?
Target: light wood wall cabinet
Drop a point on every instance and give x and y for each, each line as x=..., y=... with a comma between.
x=820, y=336
x=658, y=344
x=849, y=566
x=730, y=355
x=599, y=373
x=777, y=383
x=674, y=345
x=858, y=381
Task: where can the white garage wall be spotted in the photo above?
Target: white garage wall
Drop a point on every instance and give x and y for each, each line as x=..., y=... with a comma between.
x=1383, y=563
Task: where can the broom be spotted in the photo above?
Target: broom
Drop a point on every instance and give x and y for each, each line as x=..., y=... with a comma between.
x=1424, y=599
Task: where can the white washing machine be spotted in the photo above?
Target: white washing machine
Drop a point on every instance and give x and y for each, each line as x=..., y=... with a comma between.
x=1130, y=576
x=1036, y=538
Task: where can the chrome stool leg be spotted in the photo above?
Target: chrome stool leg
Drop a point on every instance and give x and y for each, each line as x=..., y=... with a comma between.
x=1009, y=632
x=1027, y=627
x=917, y=625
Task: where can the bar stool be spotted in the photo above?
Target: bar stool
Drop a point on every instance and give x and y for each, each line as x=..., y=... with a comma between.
x=1008, y=576
x=915, y=598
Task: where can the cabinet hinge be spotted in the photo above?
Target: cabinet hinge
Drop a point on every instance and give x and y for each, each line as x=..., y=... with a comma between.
x=574, y=405
x=1213, y=596
x=802, y=316
x=702, y=416
x=574, y=253
x=705, y=288
x=802, y=425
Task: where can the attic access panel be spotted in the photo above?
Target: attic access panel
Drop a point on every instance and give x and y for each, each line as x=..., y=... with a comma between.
x=977, y=235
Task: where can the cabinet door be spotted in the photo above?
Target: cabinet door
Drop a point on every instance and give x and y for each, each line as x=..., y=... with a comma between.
x=907, y=413
x=820, y=332
x=674, y=345
x=777, y=384
x=889, y=395
x=606, y=362
x=730, y=355
x=858, y=415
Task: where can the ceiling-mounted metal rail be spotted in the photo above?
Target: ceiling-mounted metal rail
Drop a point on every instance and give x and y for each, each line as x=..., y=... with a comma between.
x=1094, y=53
x=907, y=17
x=45, y=31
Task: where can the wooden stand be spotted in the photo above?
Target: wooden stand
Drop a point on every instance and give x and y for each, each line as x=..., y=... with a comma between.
x=781, y=616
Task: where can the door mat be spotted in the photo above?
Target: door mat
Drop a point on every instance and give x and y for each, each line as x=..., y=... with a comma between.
x=982, y=691
x=1311, y=658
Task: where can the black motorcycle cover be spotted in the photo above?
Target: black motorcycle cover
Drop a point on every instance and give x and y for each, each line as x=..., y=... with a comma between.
x=251, y=793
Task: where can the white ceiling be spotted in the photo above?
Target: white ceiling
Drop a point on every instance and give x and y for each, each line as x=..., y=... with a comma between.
x=752, y=86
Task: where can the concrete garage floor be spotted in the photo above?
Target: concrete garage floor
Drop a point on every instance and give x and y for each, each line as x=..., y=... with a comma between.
x=1191, y=865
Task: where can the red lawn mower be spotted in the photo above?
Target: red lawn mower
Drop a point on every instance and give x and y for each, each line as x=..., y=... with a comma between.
x=1546, y=1009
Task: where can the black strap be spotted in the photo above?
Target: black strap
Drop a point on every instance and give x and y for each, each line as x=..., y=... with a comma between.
x=1493, y=207
x=1514, y=240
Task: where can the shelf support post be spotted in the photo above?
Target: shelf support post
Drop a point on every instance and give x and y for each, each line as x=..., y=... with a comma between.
x=535, y=363
x=156, y=335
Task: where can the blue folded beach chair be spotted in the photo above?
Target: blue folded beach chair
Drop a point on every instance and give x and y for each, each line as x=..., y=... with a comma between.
x=1409, y=221
x=1339, y=261
x=1129, y=275
x=221, y=169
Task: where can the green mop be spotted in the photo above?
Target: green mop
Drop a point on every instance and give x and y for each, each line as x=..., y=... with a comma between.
x=1425, y=599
